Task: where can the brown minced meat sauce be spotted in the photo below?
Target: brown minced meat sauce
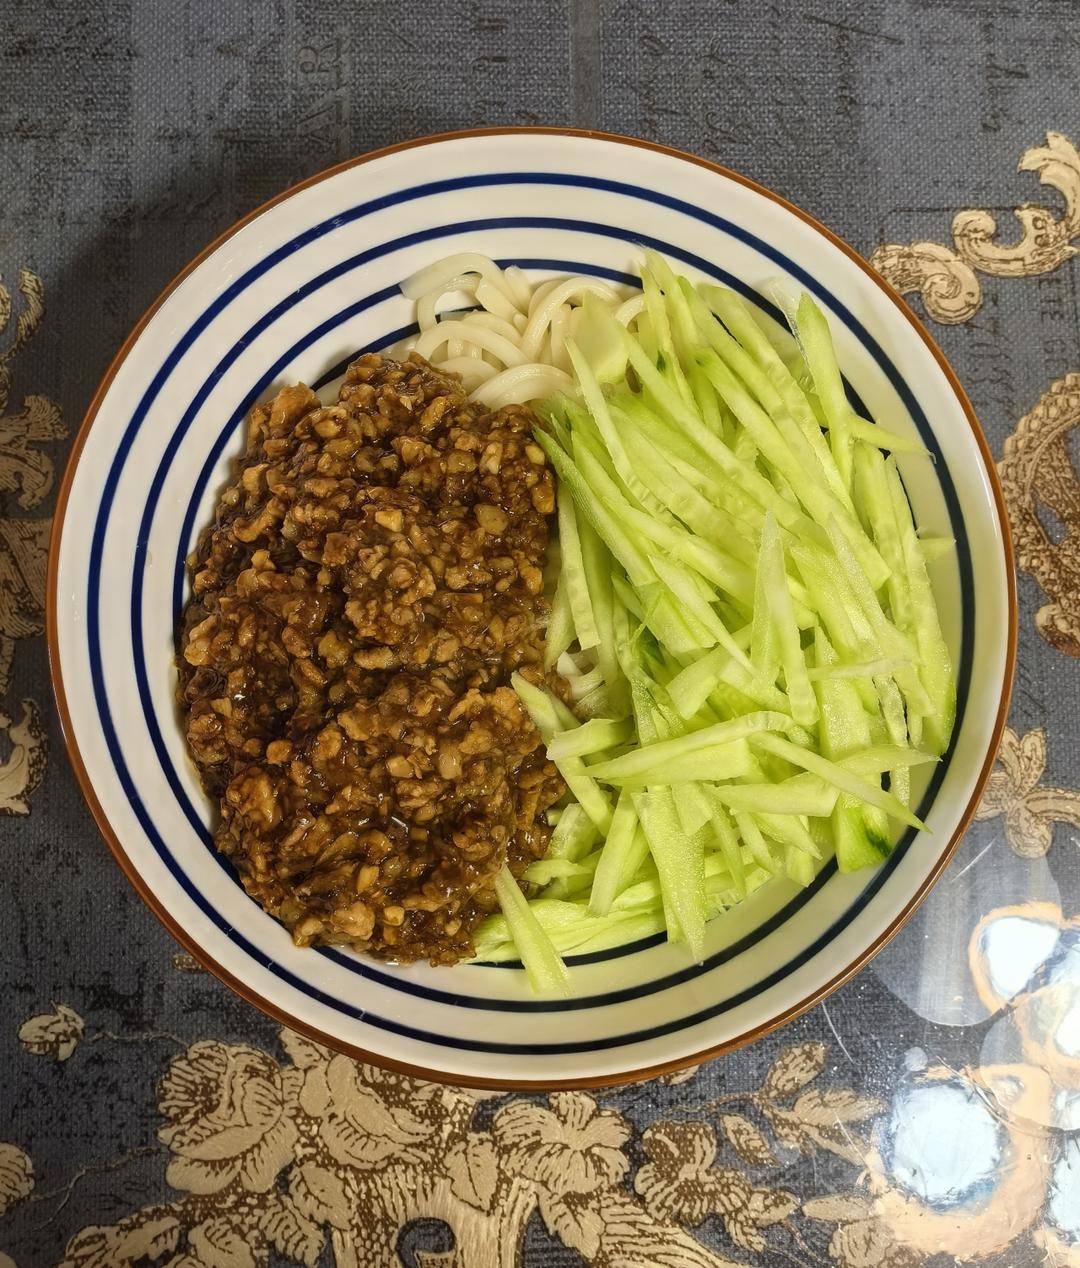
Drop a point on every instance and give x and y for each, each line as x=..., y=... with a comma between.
x=371, y=580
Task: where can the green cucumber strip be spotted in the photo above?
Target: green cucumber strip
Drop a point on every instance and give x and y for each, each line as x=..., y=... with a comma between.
x=617, y=933
x=549, y=869
x=934, y=547
x=554, y=413
x=597, y=407
x=835, y=613
x=574, y=931
x=799, y=795
x=809, y=487
x=789, y=831
x=799, y=866
x=835, y=774
x=574, y=835
x=602, y=521
x=801, y=434
x=702, y=515
x=598, y=340
x=560, y=627
x=892, y=641
x=936, y=666
x=680, y=861
x=603, y=701
x=573, y=572
x=771, y=562
x=611, y=869
x=900, y=785
x=816, y=342
x=693, y=807
x=844, y=726
x=877, y=508
x=892, y=709
x=814, y=457
x=645, y=892
x=854, y=847
x=876, y=824
x=778, y=440
x=668, y=358
x=692, y=686
x=856, y=669
x=543, y=967
x=750, y=481
x=764, y=635
x=729, y=848
x=879, y=758
x=881, y=438
x=599, y=566
x=634, y=413
x=549, y=716
x=651, y=756
x=714, y=761
x=835, y=619
x=643, y=887
x=591, y=737
x=736, y=315
x=762, y=854
x=705, y=399
x=681, y=585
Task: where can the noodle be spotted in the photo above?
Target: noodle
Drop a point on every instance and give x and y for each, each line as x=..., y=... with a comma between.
x=509, y=344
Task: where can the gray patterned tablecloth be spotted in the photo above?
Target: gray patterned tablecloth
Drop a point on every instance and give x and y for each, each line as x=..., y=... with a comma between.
x=930, y=1111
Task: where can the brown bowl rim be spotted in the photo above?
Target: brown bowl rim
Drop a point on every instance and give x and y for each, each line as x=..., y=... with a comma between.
x=441, y=1076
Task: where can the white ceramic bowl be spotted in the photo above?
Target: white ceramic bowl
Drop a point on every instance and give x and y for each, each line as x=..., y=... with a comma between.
x=289, y=294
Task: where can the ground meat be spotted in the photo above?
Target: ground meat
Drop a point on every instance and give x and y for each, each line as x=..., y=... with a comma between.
x=371, y=580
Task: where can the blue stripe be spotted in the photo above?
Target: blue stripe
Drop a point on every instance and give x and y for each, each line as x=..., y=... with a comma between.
x=172, y=360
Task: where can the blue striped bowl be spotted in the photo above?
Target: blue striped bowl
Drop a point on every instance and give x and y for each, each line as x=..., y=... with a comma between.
x=291, y=293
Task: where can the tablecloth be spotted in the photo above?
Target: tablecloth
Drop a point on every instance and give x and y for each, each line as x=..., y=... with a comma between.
x=929, y=1111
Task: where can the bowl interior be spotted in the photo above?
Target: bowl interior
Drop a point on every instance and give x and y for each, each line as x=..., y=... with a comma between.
x=292, y=295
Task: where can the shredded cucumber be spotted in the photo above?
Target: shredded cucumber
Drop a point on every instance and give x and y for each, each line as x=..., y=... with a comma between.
x=539, y=958
x=743, y=617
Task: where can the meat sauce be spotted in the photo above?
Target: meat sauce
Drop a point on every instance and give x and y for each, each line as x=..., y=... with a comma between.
x=372, y=578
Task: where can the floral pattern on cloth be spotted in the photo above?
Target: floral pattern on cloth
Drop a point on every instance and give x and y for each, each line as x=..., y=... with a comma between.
x=946, y=278
x=26, y=473
x=1015, y=793
x=317, y=1158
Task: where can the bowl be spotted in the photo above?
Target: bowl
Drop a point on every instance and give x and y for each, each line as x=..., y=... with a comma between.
x=293, y=292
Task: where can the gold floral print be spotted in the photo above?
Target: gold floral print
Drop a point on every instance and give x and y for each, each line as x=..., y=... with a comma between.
x=54, y=1034
x=143, y=1237
x=817, y=1119
x=947, y=278
x=287, y=1157
x=16, y=1176
x=861, y=1239
x=1037, y=475
x=572, y=1147
x=231, y=1115
x=321, y=1159
x=27, y=472
x=680, y=1183
x=1013, y=791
